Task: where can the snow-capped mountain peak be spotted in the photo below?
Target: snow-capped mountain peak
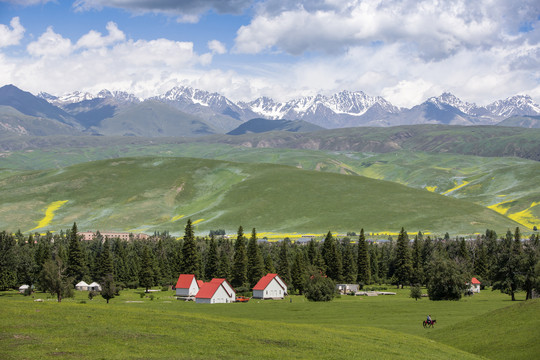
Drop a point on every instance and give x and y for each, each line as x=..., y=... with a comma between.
x=515, y=105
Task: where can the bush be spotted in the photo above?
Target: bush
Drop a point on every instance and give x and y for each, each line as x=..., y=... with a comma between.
x=133, y=285
x=151, y=297
x=447, y=281
x=165, y=288
x=320, y=288
x=416, y=292
x=92, y=294
x=142, y=294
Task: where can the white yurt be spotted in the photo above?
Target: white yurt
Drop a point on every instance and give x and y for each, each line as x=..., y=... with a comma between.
x=81, y=286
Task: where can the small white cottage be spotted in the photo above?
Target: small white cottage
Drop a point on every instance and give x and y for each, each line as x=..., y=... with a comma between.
x=270, y=287
x=215, y=292
x=475, y=285
x=81, y=285
x=23, y=288
x=187, y=285
x=94, y=287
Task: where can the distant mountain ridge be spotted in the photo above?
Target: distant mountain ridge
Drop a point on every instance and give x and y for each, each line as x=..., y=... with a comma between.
x=191, y=112
x=343, y=109
x=258, y=125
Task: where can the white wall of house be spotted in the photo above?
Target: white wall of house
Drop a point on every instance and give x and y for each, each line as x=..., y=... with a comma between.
x=191, y=291
x=220, y=297
x=272, y=291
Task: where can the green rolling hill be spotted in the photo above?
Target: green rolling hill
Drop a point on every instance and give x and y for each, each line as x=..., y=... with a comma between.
x=157, y=193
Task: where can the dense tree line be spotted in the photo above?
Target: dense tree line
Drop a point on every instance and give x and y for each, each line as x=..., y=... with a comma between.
x=508, y=264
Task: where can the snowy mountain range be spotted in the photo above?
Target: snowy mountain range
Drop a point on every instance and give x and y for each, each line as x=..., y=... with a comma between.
x=209, y=112
x=343, y=109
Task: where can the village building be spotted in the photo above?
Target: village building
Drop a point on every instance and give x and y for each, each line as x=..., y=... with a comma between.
x=90, y=235
x=81, y=285
x=217, y=291
x=187, y=285
x=345, y=289
x=23, y=288
x=270, y=287
x=94, y=287
x=474, y=285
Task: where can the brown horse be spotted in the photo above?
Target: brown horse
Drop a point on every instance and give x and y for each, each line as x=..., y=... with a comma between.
x=429, y=324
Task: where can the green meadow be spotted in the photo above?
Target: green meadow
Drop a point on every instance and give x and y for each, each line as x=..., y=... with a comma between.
x=160, y=193
x=486, y=325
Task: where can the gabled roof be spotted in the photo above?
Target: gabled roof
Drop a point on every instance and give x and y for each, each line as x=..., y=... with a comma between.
x=208, y=290
x=221, y=281
x=81, y=283
x=475, y=281
x=265, y=280
x=200, y=283
x=184, y=281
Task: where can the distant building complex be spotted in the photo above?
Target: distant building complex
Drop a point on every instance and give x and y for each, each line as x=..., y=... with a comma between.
x=90, y=235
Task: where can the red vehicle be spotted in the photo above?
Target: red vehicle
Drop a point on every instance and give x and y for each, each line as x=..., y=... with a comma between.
x=242, y=299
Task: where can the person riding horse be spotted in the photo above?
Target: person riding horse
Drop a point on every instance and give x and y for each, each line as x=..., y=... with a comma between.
x=428, y=320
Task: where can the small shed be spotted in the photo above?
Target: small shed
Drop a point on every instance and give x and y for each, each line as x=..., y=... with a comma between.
x=187, y=285
x=345, y=289
x=270, y=287
x=81, y=285
x=94, y=287
x=23, y=288
x=215, y=292
x=475, y=285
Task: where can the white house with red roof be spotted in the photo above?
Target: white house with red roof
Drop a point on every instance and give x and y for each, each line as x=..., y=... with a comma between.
x=475, y=285
x=217, y=291
x=187, y=285
x=270, y=287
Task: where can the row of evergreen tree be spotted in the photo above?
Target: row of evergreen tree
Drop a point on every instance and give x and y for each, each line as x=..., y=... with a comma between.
x=508, y=263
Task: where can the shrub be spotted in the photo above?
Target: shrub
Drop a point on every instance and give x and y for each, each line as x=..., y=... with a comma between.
x=319, y=288
x=133, y=284
x=416, y=292
x=92, y=294
x=151, y=297
x=165, y=288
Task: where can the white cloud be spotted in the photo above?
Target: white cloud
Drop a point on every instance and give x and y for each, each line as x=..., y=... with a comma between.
x=217, y=47
x=50, y=44
x=97, y=61
x=95, y=39
x=11, y=36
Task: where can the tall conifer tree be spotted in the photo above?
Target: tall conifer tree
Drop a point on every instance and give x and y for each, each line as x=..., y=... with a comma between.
x=239, y=270
x=255, y=266
x=403, y=266
x=76, y=268
x=364, y=268
x=190, y=253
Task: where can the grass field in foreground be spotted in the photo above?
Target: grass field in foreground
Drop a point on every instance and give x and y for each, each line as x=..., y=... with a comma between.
x=384, y=327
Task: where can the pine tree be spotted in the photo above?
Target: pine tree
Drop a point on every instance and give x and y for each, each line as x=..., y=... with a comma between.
x=190, y=253
x=481, y=262
x=106, y=261
x=417, y=276
x=146, y=275
x=507, y=271
x=239, y=270
x=312, y=251
x=332, y=258
x=403, y=259
x=350, y=272
x=269, y=267
x=76, y=267
x=374, y=262
x=8, y=263
x=54, y=279
x=212, y=261
x=298, y=273
x=364, y=269
x=255, y=266
x=283, y=269
x=224, y=268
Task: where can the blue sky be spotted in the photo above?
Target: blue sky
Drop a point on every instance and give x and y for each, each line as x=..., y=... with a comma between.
x=403, y=50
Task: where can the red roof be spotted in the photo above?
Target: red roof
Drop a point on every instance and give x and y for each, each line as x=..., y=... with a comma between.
x=221, y=281
x=475, y=281
x=265, y=280
x=200, y=283
x=184, y=281
x=208, y=290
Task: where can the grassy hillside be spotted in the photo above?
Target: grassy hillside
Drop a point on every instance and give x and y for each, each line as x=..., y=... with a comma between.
x=357, y=327
x=506, y=185
x=155, y=193
x=514, y=328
